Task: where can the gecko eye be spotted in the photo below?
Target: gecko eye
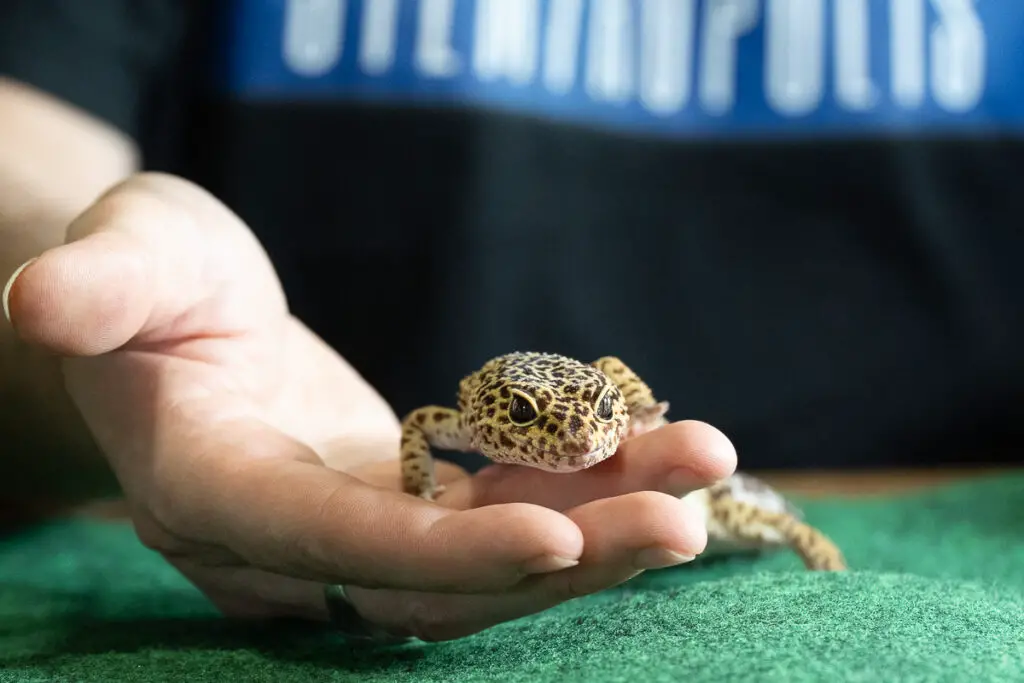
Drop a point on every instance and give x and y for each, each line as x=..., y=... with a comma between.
x=605, y=406
x=521, y=411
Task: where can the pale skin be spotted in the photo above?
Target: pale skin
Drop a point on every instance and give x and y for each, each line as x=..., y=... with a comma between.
x=252, y=456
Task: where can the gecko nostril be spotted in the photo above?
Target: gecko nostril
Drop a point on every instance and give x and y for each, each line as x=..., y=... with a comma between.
x=582, y=447
x=576, y=447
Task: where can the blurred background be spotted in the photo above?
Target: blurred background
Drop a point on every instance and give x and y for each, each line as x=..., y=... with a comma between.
x=796, y=220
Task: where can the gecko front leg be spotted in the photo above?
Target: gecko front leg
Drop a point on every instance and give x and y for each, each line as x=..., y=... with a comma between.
x=422, y=429
x=645, y=412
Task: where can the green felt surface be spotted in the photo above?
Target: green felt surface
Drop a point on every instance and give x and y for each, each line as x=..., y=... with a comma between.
x=937, y=594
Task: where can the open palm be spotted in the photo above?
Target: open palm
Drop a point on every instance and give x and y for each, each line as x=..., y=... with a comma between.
x=262, y=466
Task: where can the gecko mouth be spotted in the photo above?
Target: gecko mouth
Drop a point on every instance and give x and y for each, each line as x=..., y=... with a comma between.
x=575, y=463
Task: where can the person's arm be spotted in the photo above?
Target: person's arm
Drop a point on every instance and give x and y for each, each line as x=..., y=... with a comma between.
x=54, y=161
x=71, y=75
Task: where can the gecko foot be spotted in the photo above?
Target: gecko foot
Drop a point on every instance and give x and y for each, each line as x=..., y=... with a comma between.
x=432, y=493
x=647, y=419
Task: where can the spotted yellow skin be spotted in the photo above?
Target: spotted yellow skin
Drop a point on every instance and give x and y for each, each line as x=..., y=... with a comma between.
x=558, y=414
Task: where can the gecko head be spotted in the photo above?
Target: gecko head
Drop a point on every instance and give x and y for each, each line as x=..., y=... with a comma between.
x=551, y=413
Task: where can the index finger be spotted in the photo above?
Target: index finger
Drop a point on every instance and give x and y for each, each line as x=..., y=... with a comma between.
x=675, y=459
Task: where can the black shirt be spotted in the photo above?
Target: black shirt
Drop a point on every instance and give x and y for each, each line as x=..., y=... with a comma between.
x=801, y=227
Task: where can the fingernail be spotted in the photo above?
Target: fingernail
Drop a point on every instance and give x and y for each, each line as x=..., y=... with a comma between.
x=656, y=558
x=10, y=285
x=548, y=563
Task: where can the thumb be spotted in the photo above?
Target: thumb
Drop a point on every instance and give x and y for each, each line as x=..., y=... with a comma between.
x=152, y=260
x=83, y=298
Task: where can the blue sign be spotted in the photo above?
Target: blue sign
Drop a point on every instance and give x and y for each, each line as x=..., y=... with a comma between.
x=669, y=68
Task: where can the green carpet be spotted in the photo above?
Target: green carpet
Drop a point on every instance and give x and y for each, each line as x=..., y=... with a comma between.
x=937, y=595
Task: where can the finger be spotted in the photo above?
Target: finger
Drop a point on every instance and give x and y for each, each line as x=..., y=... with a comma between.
x=139, y=259
x=624, y=536
x=675, y=459
x=242, y=592
x=263, y=495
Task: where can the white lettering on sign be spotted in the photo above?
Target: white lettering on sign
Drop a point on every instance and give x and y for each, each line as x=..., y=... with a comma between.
x=435, y=57
x=855, y=90
x=795, y=64
x=562, y=45
x=313, y=35
x=507, y=40
x=668, y=29
x=958, y=56
x=658, y=54
x=724, y=22
x=610, y=50
x=378, y=37
x=906, y=52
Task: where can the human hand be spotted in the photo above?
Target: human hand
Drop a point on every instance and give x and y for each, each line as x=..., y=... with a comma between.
x=260, y=464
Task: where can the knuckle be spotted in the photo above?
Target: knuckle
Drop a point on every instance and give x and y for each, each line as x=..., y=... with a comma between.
x=164, y=512
x=663, y=519
x=170, y=518
x=120, y=204
x=154, y=536
x=308, y=543
x=572, y=586
x=150, y=535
